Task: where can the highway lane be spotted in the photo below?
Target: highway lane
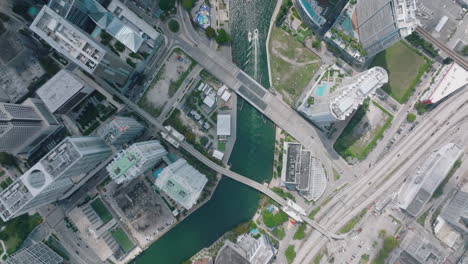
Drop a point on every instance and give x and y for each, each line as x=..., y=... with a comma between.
x=360, y=194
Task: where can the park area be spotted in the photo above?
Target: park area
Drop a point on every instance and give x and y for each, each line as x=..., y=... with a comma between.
x=405, y=67
x=167, y=81
x=292, y=65
x=363, y=130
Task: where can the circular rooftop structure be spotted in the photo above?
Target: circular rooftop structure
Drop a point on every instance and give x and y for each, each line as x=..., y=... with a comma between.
x=36, y=179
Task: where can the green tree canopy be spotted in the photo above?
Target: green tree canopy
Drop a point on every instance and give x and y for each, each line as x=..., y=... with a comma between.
x=210, y=32
x=7, y=159
x=187, y=4
x=223, y=37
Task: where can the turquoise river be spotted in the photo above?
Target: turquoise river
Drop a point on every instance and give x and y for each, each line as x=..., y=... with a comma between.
x=232, y=203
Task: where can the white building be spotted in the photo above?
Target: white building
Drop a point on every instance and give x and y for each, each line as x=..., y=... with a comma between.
x=63, y=92
x=223, y=126
x=23, y=127
x=136, y=160
x=182, y=183
x=419, y=189
x=450, y=79
x=120, y=130
x=49, y=179
x=67, y=39
x=346, y=98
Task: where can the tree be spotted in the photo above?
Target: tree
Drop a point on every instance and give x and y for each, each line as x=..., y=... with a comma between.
x=187, y=4
x=6, y=159
x=411, y=117
x=316, y=43
x=173, y=26
x=310, y=100
x=465, y=50
x=447, y=60
x=210, y=32
x=223, y=37
x=166, y=5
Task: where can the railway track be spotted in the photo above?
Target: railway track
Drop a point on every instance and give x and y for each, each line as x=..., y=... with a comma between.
x=455, y=56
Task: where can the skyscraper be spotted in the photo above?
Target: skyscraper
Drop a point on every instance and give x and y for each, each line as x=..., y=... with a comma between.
x=182, y=182
x=135, y=160
x=64, y=91
x=345, y=98
x=23, y=127
x=367, y=27
x=79, y=47
x=48, y=180
x=37, y=253
x=121, y=130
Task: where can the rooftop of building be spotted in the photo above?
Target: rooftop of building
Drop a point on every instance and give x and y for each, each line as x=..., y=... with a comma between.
x=455, y=212
x=293, y=159
x=419, y=247
x=223, y=127
x=451, y=78
x=182, y=182
x=230, y=254
x=124, y=161
x=59, y=89
x=67, y=39
x=116, y=127
x=37, y=253
x=112, y=25
x=355, y=90
x=258, y=250
x=428, y=176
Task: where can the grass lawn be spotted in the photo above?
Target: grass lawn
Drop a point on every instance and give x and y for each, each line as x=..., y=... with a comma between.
x=404, y=66
x=221, y=146
x=292, y=64
x=101, y=210
x=353, y=143
x=122, y=239
x=16, y=230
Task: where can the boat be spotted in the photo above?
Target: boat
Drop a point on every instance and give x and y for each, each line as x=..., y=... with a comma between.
x=250, y=36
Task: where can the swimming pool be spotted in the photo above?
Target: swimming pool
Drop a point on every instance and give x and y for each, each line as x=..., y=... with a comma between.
x=320, y=90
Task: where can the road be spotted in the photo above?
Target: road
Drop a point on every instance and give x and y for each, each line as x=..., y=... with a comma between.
x=386, y=176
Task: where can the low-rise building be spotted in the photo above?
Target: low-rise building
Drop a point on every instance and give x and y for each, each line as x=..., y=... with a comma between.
x=451, y=78
x=456, y=212
x=63, y=92
x=121, y=130
x=420, y=187
x=419, y=247
x=182, y=183
x=37, y=253
x=172, y=136
x=135, y=160
x=223, y=126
